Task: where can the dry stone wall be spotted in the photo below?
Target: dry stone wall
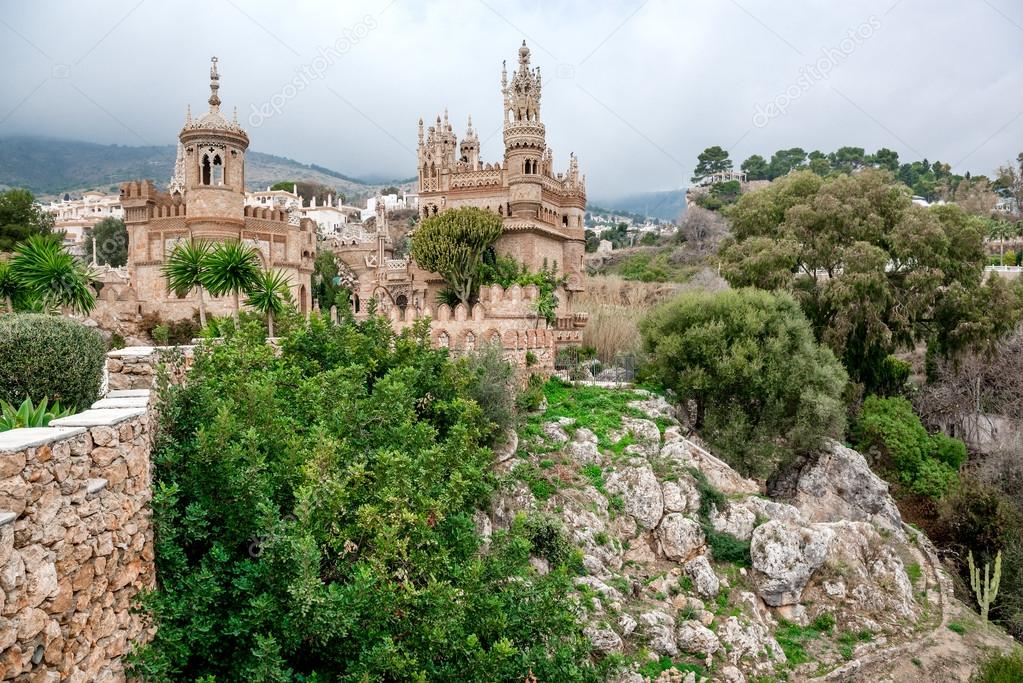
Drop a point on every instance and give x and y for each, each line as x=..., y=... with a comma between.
x=76, y=539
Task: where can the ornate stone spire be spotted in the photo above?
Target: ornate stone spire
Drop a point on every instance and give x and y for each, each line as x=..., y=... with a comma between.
x=177, y=181
x=214, y=86
x=522, y=94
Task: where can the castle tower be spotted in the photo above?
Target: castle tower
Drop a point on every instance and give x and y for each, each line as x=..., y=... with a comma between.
x=214, y=167
x=524, y=137
x=469, y=149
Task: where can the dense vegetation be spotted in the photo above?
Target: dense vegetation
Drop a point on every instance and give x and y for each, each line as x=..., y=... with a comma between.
x=314, y=521
x=49, y=357
x=745, y=368
x=21, y=217
x=111, y=239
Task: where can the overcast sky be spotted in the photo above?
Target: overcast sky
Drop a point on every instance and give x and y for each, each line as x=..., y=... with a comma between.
x=636, y=89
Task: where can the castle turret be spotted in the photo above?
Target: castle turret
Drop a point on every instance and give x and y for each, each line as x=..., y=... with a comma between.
x=524, y=137
x=214, y=165
x=469, y=149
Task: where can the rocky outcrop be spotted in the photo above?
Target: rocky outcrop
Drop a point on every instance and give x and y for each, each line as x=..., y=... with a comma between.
x=641, y=492
x=840, y=485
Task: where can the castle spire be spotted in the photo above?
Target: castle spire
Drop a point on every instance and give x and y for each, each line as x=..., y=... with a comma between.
x=214, y=86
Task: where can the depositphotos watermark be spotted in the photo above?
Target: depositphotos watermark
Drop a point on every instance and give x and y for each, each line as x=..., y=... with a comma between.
x=815, y=72
x=325, y=58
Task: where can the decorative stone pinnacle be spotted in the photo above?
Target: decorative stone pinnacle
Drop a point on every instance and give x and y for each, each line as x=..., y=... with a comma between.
x=214, y=86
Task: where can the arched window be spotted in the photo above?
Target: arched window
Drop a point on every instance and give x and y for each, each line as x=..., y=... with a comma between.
x=470, y=341
x=443, y=341
x=218, y=170
x=205, y=169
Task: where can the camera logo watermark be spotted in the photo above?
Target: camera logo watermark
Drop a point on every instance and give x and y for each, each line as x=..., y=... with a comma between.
x=815, y=72
x=325, y=58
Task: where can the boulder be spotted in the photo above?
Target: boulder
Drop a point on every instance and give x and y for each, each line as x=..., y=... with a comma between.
x=695, y=638
x=646, y=435
x=840, y=485
x=604, y=639
x=681, y=537
x=750, y=641
x=785, y=556
x=653, y=405
x=736, y=519
x=583, y=447
x=641, y=493
x=681, y=495
x=659, y=629
x=705, y=581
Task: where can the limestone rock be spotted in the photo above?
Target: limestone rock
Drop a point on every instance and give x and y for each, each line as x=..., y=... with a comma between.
x=603, y=639
x=641, y=493
x=681, y=537
x=784, y=558
x=654, y=406
x=749, y=640
x=736, y=519
x=718, y=473
x=705, y=581
x=659, y=628
x=645, y=434
x=840, y=485
x=506, y=504
x=695, y=638
x=554, y=432
x=681, y=495
x=583, y=447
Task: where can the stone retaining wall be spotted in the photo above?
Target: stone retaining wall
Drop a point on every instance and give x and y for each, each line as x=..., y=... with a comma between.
x=134, y=367
x=76, y=541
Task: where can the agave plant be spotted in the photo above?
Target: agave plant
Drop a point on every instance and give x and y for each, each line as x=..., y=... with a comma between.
x=43, y=268
x=27, y=415
x=270, y=294
x=230, y=269
x=186, y=269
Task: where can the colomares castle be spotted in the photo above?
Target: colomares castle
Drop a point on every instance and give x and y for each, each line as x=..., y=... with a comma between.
x=477, y=417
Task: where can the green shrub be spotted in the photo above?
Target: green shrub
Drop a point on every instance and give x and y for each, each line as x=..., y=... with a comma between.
x=761, y=389
x=925, y=463
x=490, y=381
x=313, y=515
x=1000, y=668
x=51, y=357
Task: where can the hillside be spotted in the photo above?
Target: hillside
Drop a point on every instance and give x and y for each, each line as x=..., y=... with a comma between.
x=48, y=166
x=666, y=205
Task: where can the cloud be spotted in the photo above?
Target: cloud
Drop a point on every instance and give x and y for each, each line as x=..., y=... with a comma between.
x=636, y=89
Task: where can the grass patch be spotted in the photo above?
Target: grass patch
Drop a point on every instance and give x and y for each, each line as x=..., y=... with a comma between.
x=794, y=638
x=723, y=546
x=653, y=668
x=599, y=410
x=848, y=641
x=914, y=572
x=595, y=476
x=957, y=627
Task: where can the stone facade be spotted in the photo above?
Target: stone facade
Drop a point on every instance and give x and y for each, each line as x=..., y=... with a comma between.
x=76, y=542
x=542, y=211
x=205, y=200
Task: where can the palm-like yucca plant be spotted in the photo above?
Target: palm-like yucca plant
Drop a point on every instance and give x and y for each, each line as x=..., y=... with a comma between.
x=269, y=293
x=27, y=415
x=186, y=269
x=42, y=267
x=11, y=289
x=230, y=269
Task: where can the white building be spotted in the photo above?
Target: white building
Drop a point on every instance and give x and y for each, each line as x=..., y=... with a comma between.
x=76, y=217
x=330, y=216
x=392, y=202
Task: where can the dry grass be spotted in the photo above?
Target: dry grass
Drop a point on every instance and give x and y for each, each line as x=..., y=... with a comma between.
x=616, y=306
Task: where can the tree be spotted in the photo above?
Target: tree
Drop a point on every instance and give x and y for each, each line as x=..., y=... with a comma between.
x=785, y=160
x=748, y=375
x=710, y=161
x=21, y=217
x=230, y=269
x=270, y=294
x=755, y=168
x=886, y=158
x=818, y=163
x=111, y=238
x=452, y=244
x=187, y=268
x=1010, y=183
x=848, y=159
x=872, y=271
x=11, y=289
x=326, y=288
x=703, y=230
x=51, y=275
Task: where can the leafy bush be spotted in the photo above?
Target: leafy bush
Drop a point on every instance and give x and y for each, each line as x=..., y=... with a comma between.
x=51, y=357
x=926, y=464
x=748, y=375
x=490, y=381
x=313, y=511
x=1000, y=668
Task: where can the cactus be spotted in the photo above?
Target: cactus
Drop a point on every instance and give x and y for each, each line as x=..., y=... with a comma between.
x=987, y=591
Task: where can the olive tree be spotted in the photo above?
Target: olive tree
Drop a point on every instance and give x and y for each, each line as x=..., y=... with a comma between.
x=748, y=374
